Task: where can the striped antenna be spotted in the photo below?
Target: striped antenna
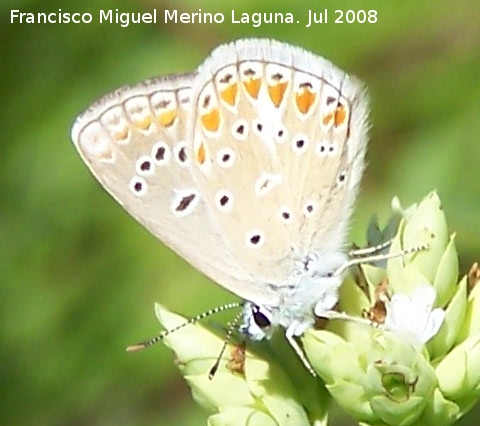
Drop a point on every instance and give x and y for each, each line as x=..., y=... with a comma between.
x=376, y=257
x=163, y=334
x=231, y=328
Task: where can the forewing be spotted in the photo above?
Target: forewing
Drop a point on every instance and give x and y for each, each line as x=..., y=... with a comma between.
x=279, y=137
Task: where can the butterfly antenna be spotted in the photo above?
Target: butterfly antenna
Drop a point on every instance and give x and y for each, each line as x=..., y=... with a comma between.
x=163, y=334
x=377, y=257
x=371, y=249
x=231, y=327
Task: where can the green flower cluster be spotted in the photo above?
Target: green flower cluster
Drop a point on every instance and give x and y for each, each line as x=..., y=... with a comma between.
x=417, y=364
x=249, y=388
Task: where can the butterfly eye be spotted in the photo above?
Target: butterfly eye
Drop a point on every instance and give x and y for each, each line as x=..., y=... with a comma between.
x=260, y=318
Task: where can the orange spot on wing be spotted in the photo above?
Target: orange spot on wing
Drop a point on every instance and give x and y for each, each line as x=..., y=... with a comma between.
x=167, y=118
x=121, y=134
x=252, y=86
x=201, y=154
x=143, y=123
x=304, y=99
x=229, y=95
x=211, y=120
x=276, y=93
x=327, y=119
x=340, y=115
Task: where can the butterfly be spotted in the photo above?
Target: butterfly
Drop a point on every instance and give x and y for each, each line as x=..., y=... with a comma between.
x=248, y=168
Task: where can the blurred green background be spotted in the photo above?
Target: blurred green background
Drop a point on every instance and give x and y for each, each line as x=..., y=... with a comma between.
x=79, y=277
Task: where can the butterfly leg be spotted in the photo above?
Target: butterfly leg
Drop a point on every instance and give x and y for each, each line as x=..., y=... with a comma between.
x=291, y=337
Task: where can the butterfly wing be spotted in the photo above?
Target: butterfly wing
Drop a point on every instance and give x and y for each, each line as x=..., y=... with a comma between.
x=243, y=169
x=279, y=137
x=134, y=142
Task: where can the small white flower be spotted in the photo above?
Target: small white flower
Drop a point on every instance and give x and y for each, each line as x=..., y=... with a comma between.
x=412, y=317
